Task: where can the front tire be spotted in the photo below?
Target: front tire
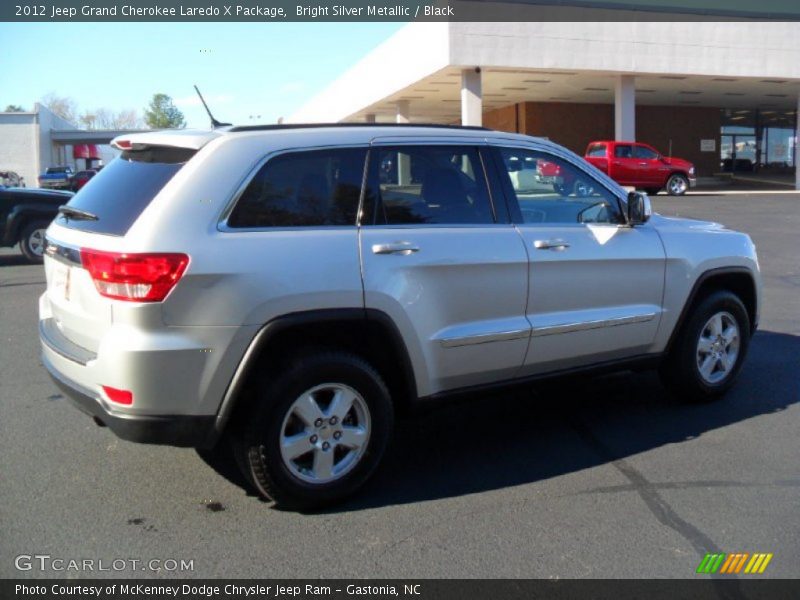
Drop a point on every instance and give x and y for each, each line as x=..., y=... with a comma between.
x=710, y=349
x=31, y=241
x=677, y=185
x=582, y=189
x=652, y=191
x=317, y=431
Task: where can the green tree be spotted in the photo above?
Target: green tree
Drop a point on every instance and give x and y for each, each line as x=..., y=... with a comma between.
x=14, y=108
x=163, y=114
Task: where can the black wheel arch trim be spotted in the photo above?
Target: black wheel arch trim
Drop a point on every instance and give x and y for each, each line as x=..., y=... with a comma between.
x=690, y=299
x=270, y=330
x=19, y=217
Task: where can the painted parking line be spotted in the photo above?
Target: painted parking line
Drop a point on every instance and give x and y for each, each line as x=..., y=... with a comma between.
x=735, y=193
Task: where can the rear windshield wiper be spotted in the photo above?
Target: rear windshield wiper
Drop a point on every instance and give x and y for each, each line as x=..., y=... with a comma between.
x=71, y=212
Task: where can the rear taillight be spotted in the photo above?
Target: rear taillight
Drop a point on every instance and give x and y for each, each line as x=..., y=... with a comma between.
x=134, y=277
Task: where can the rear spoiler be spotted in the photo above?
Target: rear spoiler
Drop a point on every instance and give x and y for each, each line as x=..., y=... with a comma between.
x=181, y=138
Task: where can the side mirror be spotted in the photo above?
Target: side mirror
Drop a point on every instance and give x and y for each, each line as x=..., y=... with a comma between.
x=639, y=208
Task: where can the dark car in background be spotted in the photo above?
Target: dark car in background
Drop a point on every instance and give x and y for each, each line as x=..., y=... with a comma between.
x=81, y=178
x=24, y=217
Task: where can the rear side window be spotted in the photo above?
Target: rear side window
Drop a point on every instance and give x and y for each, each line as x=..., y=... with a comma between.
x=596, y=150
x=303, y=189
x=623, y=151
x=124, y=188
x=428, y=185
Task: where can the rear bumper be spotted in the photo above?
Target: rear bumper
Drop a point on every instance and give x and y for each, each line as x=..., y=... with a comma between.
x=55, y=185
x=172, y=430
x=692, y=182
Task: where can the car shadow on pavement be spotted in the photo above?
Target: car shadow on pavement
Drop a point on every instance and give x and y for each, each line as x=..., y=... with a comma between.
x=557, y=428
x=12, y=260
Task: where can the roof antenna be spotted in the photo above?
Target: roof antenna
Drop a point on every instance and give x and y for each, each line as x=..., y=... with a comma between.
x=214, y=122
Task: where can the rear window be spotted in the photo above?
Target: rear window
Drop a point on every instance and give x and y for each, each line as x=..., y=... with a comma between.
x=124, y=188
x=596, y=150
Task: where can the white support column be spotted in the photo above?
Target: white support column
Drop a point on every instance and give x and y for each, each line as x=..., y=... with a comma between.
x=797, y=145
x=369, y=118
x=471, y=97
x=403, y=164
x=625, y=108
x=403, y=112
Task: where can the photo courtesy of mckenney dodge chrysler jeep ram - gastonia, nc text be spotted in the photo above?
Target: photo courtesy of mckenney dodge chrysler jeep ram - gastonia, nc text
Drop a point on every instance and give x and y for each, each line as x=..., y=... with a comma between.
x=286, y=289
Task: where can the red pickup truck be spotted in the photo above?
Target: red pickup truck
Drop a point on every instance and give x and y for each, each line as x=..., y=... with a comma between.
x=642, y=166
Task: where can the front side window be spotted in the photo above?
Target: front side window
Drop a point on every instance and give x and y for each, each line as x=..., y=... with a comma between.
x=433, y=185
x=303, y=189
x=557, y=191
x=645, y=153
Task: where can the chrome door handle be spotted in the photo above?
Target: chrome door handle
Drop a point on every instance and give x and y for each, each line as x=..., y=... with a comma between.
x=550, y=245
x=404, y=248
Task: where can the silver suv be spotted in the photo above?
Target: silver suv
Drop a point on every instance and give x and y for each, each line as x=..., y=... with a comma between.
x=288, y=288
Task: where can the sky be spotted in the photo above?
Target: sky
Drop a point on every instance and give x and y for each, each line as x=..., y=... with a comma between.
x=248, y=72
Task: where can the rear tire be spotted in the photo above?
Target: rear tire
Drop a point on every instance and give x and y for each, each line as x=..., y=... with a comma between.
x=317, y=430
x=709, y=351
x=31, y=241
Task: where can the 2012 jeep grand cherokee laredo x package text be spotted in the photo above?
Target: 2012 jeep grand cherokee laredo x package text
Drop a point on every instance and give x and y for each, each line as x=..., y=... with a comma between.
x=288, y=288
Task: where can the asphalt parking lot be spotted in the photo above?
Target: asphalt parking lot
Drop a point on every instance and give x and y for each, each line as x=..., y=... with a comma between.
x=607, y=478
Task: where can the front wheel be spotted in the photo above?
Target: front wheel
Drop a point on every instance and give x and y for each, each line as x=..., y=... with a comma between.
x=31, y=242
x=653, y=191
x=317, y=431
x=710, y=349
x=582, y=189
x=677, y=185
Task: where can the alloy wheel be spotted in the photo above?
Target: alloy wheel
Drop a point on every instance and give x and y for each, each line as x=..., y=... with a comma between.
x=325, y=433
x=718, y=347
x=677, y=186
x=36, y=242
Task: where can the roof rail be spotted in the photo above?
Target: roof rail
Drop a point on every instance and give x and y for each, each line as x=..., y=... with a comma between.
x=345, y=125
